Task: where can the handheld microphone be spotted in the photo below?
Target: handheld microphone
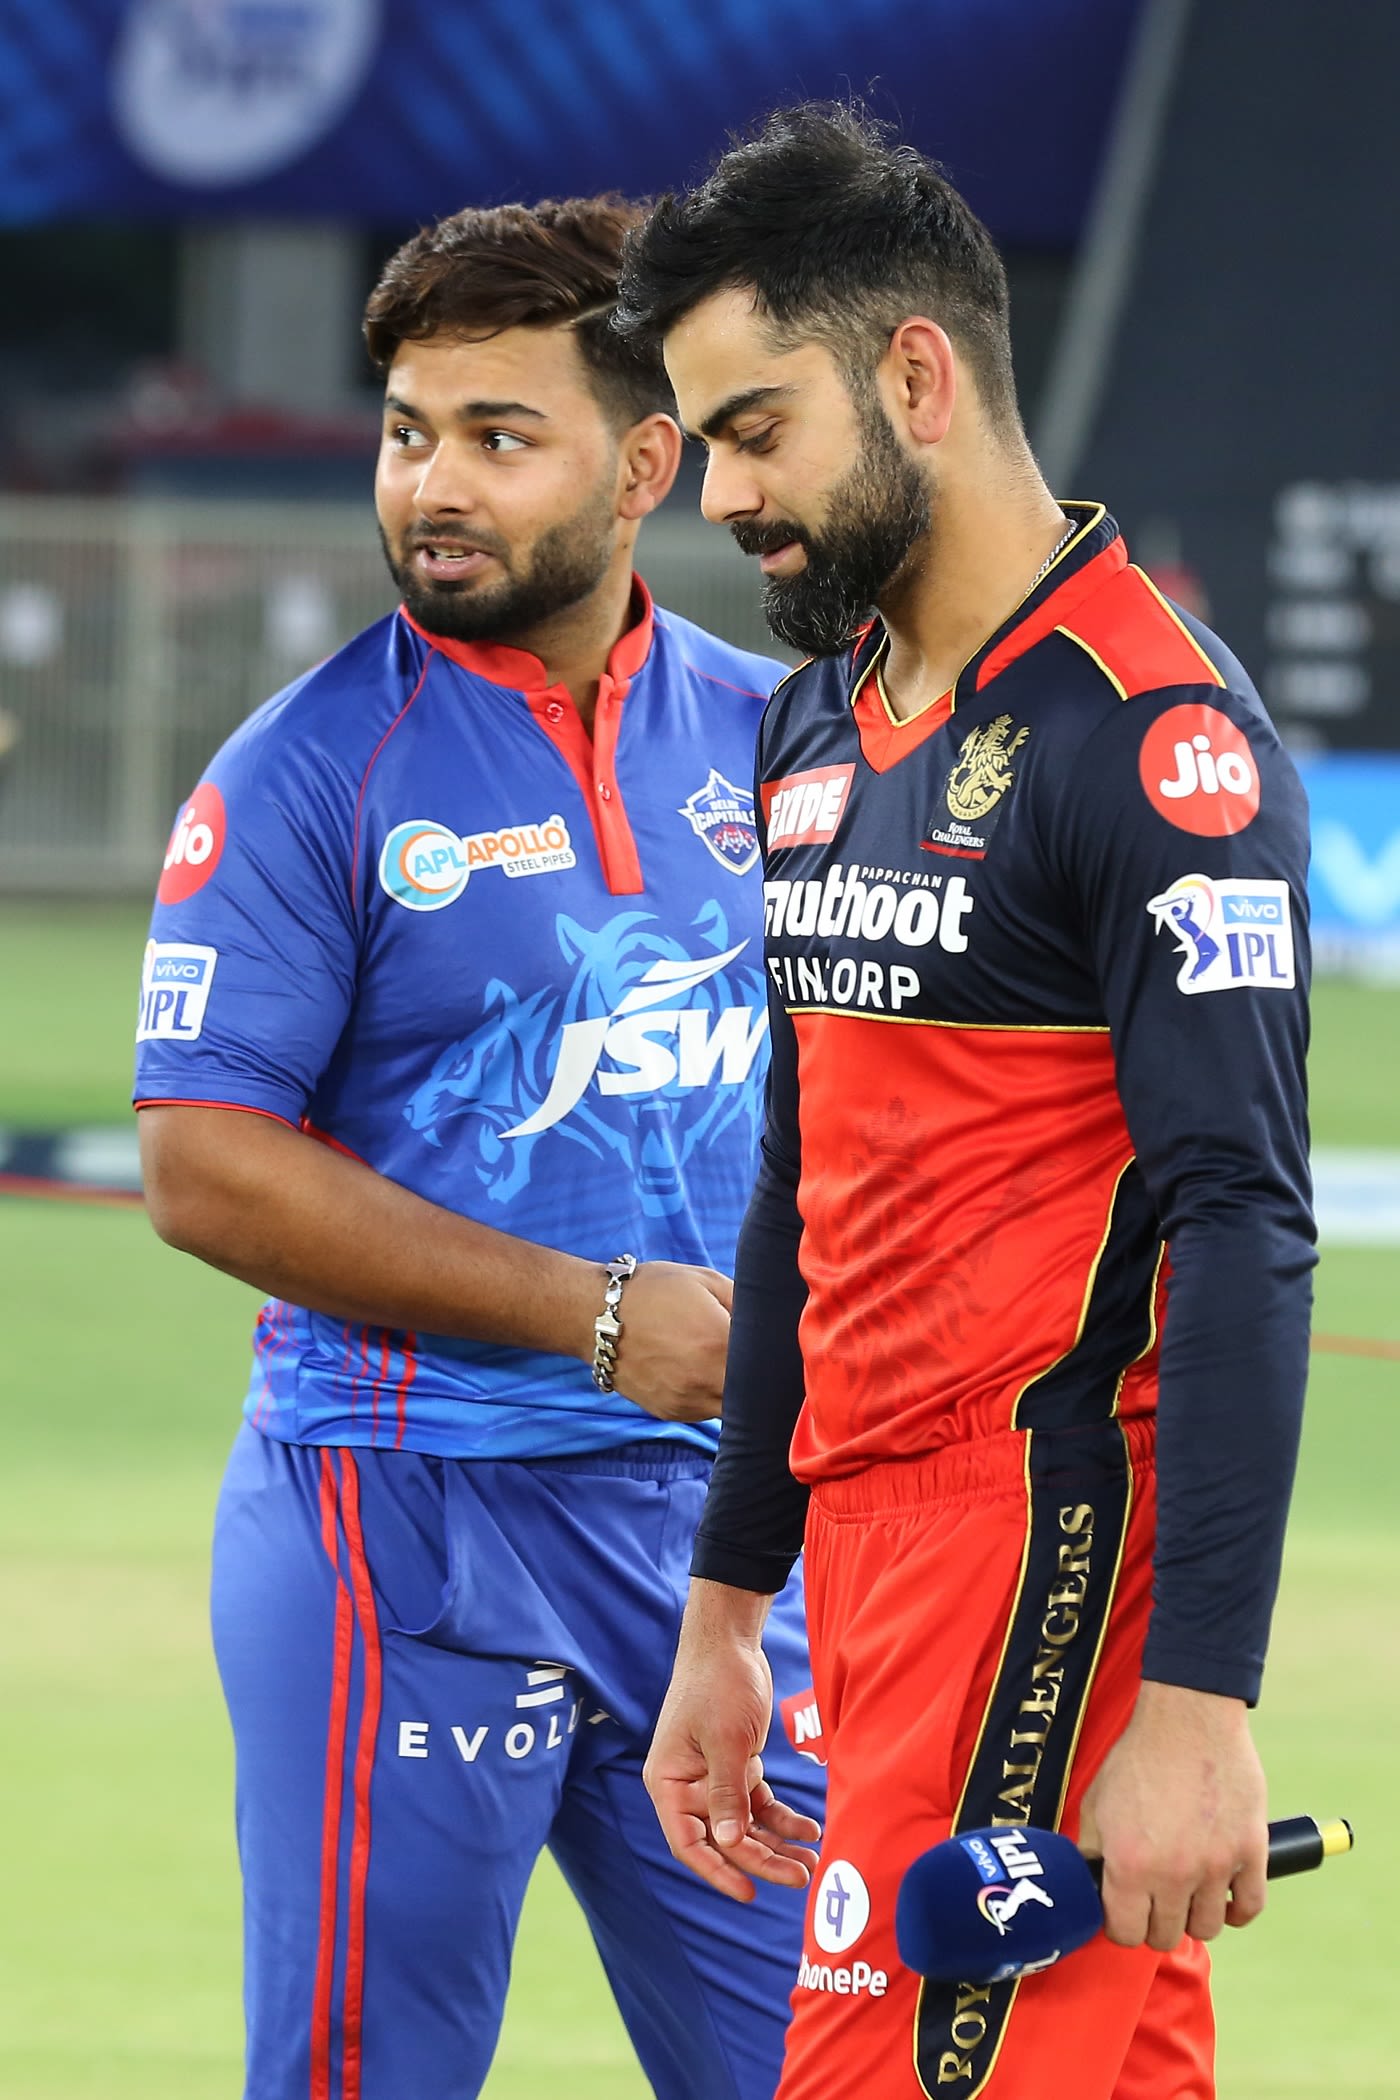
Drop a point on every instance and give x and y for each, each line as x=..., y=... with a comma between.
x=991, y=1904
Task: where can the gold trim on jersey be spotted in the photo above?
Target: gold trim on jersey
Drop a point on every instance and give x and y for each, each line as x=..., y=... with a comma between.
x=846, y=1013
x=1177, y=621
x=1097, y=513
x=1070, y=636
x=1148, y=1345
x=1011, y=1619
x=1093, y=1278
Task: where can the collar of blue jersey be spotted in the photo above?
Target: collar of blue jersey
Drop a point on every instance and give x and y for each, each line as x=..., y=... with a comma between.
x=523, y=672
x=1080, y=566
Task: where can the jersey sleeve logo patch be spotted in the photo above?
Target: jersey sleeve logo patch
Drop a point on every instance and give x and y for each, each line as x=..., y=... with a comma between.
x=196, y=845
x=973, y=791
x=175, y=981
x=721, y=816
x=1198, y=771
x=1232, y=935
x=805, y=809
x=425, y=866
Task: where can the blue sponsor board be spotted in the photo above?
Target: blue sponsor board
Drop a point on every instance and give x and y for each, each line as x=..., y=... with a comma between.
x=263, y=107
x=1354, y=887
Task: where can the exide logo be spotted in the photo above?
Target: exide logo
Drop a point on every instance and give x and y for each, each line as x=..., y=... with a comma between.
x=1198, y=771
x=804, y=809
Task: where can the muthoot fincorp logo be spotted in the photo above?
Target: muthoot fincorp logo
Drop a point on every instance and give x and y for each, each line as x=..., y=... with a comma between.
x=844, y=906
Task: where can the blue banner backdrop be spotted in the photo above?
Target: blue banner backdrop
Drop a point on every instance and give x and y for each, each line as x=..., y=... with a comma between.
x=393, y=111
x=1355, y=882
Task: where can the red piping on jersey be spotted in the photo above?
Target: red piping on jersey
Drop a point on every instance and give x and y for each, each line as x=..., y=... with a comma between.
x=364, y=783
x=238, y=1108
x=380, y=1381
x=342, y=1641
x=323, y=1137
x=592, y=761
x=749, y=692
x=410, y=1372
x=1047, y=616
x=352, y=2058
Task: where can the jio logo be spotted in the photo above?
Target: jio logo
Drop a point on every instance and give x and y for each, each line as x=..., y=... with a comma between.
x=195, y=846
x=423, y=865
x=1198, y=771
x=841, y=1908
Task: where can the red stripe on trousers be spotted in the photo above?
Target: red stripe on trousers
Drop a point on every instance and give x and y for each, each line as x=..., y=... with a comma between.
x=364, y=1770
x=330, y=1812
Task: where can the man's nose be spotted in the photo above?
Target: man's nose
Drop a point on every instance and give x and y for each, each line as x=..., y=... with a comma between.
x=445, y=487
x=729, y=491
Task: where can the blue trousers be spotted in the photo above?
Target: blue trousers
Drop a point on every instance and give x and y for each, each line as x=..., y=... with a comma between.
x=435, y=1668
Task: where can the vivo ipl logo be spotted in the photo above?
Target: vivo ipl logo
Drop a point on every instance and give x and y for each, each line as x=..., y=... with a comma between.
x=1232, y=934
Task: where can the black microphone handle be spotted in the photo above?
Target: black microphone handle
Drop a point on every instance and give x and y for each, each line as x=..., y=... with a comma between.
x=1295, y=1845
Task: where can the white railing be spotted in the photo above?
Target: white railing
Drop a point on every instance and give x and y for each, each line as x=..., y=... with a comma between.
x=136, y=634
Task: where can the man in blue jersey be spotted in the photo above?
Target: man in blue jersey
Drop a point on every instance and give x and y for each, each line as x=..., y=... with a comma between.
x=452, y=1041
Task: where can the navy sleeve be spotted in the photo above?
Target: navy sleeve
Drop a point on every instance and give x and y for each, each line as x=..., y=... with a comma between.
x=750, y=1533
x=1198, y=939
x=250, y=968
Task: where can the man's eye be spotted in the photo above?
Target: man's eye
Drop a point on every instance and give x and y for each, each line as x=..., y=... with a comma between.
x=504, y=441
x=405, y=436
x=758, y=441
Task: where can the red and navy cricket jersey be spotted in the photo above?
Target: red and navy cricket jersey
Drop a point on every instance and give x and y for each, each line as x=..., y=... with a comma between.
x=1038, y=970
x=414, y=910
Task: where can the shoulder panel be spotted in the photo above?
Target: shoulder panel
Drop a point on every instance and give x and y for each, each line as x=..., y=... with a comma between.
x=1137, y=639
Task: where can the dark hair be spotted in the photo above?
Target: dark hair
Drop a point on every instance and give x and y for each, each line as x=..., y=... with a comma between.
x=842, y=231
x=551, y=265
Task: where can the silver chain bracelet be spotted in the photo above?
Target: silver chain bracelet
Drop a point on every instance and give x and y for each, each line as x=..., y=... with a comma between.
x=607, y=1328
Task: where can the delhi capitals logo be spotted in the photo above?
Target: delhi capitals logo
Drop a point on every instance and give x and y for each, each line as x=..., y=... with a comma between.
x=722, y=816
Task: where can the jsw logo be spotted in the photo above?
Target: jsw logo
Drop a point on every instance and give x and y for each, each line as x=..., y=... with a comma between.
x=634, y=1037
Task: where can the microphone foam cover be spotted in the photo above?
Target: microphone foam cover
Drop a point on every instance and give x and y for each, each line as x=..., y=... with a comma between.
x=989, y=1904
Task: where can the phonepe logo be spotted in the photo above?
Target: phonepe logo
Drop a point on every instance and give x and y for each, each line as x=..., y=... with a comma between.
x=804, y=809
x=1198, y=771
x=840, y=1914
x=1231, y=934
x=175, y=981
x=195, y=846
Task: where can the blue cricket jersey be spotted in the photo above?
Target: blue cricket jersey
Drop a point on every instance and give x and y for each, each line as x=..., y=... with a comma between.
x=413, y=910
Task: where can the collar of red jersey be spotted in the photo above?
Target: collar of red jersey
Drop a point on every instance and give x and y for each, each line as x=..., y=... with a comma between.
x=525, y=673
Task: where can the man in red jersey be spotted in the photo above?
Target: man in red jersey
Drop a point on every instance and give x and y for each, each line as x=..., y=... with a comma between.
x=1036, y=943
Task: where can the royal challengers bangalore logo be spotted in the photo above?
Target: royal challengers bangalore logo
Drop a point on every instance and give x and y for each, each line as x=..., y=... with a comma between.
x=722, y=816
x=983, y=772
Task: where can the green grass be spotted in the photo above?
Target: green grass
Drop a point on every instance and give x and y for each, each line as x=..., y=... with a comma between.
x=119, y=1951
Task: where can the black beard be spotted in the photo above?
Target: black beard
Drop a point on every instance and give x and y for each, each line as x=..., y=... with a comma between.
x=877, y=514
x=567, y=564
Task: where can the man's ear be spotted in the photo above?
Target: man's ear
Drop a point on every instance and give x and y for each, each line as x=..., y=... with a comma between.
x=921, y=372
x=648, y=463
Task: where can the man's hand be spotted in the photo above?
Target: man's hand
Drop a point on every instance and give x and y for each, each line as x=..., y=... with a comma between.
x=1178, y=1813
x=675, y=1336
x=704, y=1772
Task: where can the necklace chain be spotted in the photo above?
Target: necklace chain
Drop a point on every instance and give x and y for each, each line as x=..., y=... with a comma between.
x=1053, y=556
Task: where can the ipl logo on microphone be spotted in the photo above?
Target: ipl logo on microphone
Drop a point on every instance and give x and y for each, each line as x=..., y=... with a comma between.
x=1010, y=1872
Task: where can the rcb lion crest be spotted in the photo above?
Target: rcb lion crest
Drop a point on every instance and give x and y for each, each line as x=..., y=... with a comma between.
x=983, y=772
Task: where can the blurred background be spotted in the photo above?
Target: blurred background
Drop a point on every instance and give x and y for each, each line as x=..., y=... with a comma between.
x=1197, y=203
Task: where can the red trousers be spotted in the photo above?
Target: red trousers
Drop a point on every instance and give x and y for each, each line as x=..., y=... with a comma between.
x=977, y=1621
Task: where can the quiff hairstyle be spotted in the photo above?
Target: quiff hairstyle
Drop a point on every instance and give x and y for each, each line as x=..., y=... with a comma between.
x=841, y=231
x=548, y=266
